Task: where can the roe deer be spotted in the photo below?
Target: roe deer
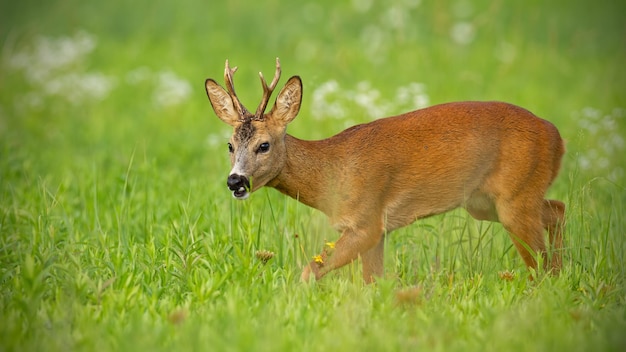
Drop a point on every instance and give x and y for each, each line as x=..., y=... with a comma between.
x=494, y=159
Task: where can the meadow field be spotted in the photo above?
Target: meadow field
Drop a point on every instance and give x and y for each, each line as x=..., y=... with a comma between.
x=118, y=233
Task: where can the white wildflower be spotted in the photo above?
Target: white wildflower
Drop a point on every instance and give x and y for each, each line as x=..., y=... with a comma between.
x=171, y=89
x=463, y=33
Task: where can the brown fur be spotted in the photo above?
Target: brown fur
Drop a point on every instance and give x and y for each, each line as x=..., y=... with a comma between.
x=494, y=159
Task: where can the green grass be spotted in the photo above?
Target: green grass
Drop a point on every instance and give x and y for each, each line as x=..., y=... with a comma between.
x=117, y=231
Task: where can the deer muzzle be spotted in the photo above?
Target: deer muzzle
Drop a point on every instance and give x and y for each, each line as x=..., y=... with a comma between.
x=239, y=185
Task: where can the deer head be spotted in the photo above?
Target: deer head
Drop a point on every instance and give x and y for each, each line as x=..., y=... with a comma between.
x=257, y=146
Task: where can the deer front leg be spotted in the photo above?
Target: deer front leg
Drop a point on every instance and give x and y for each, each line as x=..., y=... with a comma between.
x=373, y=261
x=351, y=244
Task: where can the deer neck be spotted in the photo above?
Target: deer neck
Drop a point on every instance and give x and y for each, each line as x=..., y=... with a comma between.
x=306, y=172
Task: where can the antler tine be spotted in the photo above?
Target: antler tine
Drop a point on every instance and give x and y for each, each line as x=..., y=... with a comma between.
x=228, y=77
x=267, y=91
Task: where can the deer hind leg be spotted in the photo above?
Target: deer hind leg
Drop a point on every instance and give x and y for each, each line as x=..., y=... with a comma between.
x=524, y=223
x=481, y=207
x=554, y=221
x=350, y=245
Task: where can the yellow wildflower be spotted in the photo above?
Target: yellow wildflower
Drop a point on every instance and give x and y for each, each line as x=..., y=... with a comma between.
x=318, y=259
x=329, y=248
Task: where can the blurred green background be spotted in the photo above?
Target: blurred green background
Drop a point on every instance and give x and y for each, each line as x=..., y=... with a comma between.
x=116, y=224
x=105, y=76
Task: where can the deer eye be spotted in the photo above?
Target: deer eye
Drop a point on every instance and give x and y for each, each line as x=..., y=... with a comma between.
x=230, y=148
x=263, y=148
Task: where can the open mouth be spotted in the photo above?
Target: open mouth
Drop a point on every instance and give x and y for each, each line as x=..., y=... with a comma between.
x=239, y=185
x=241, y=193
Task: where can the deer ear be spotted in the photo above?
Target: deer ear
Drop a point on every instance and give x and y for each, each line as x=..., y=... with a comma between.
x=221, y=102
x=288, y=101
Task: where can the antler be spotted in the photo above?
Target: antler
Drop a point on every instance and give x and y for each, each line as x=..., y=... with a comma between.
x=267, y=91
x=228, y=78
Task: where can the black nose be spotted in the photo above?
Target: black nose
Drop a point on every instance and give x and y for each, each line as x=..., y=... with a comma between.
x=236, y=182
